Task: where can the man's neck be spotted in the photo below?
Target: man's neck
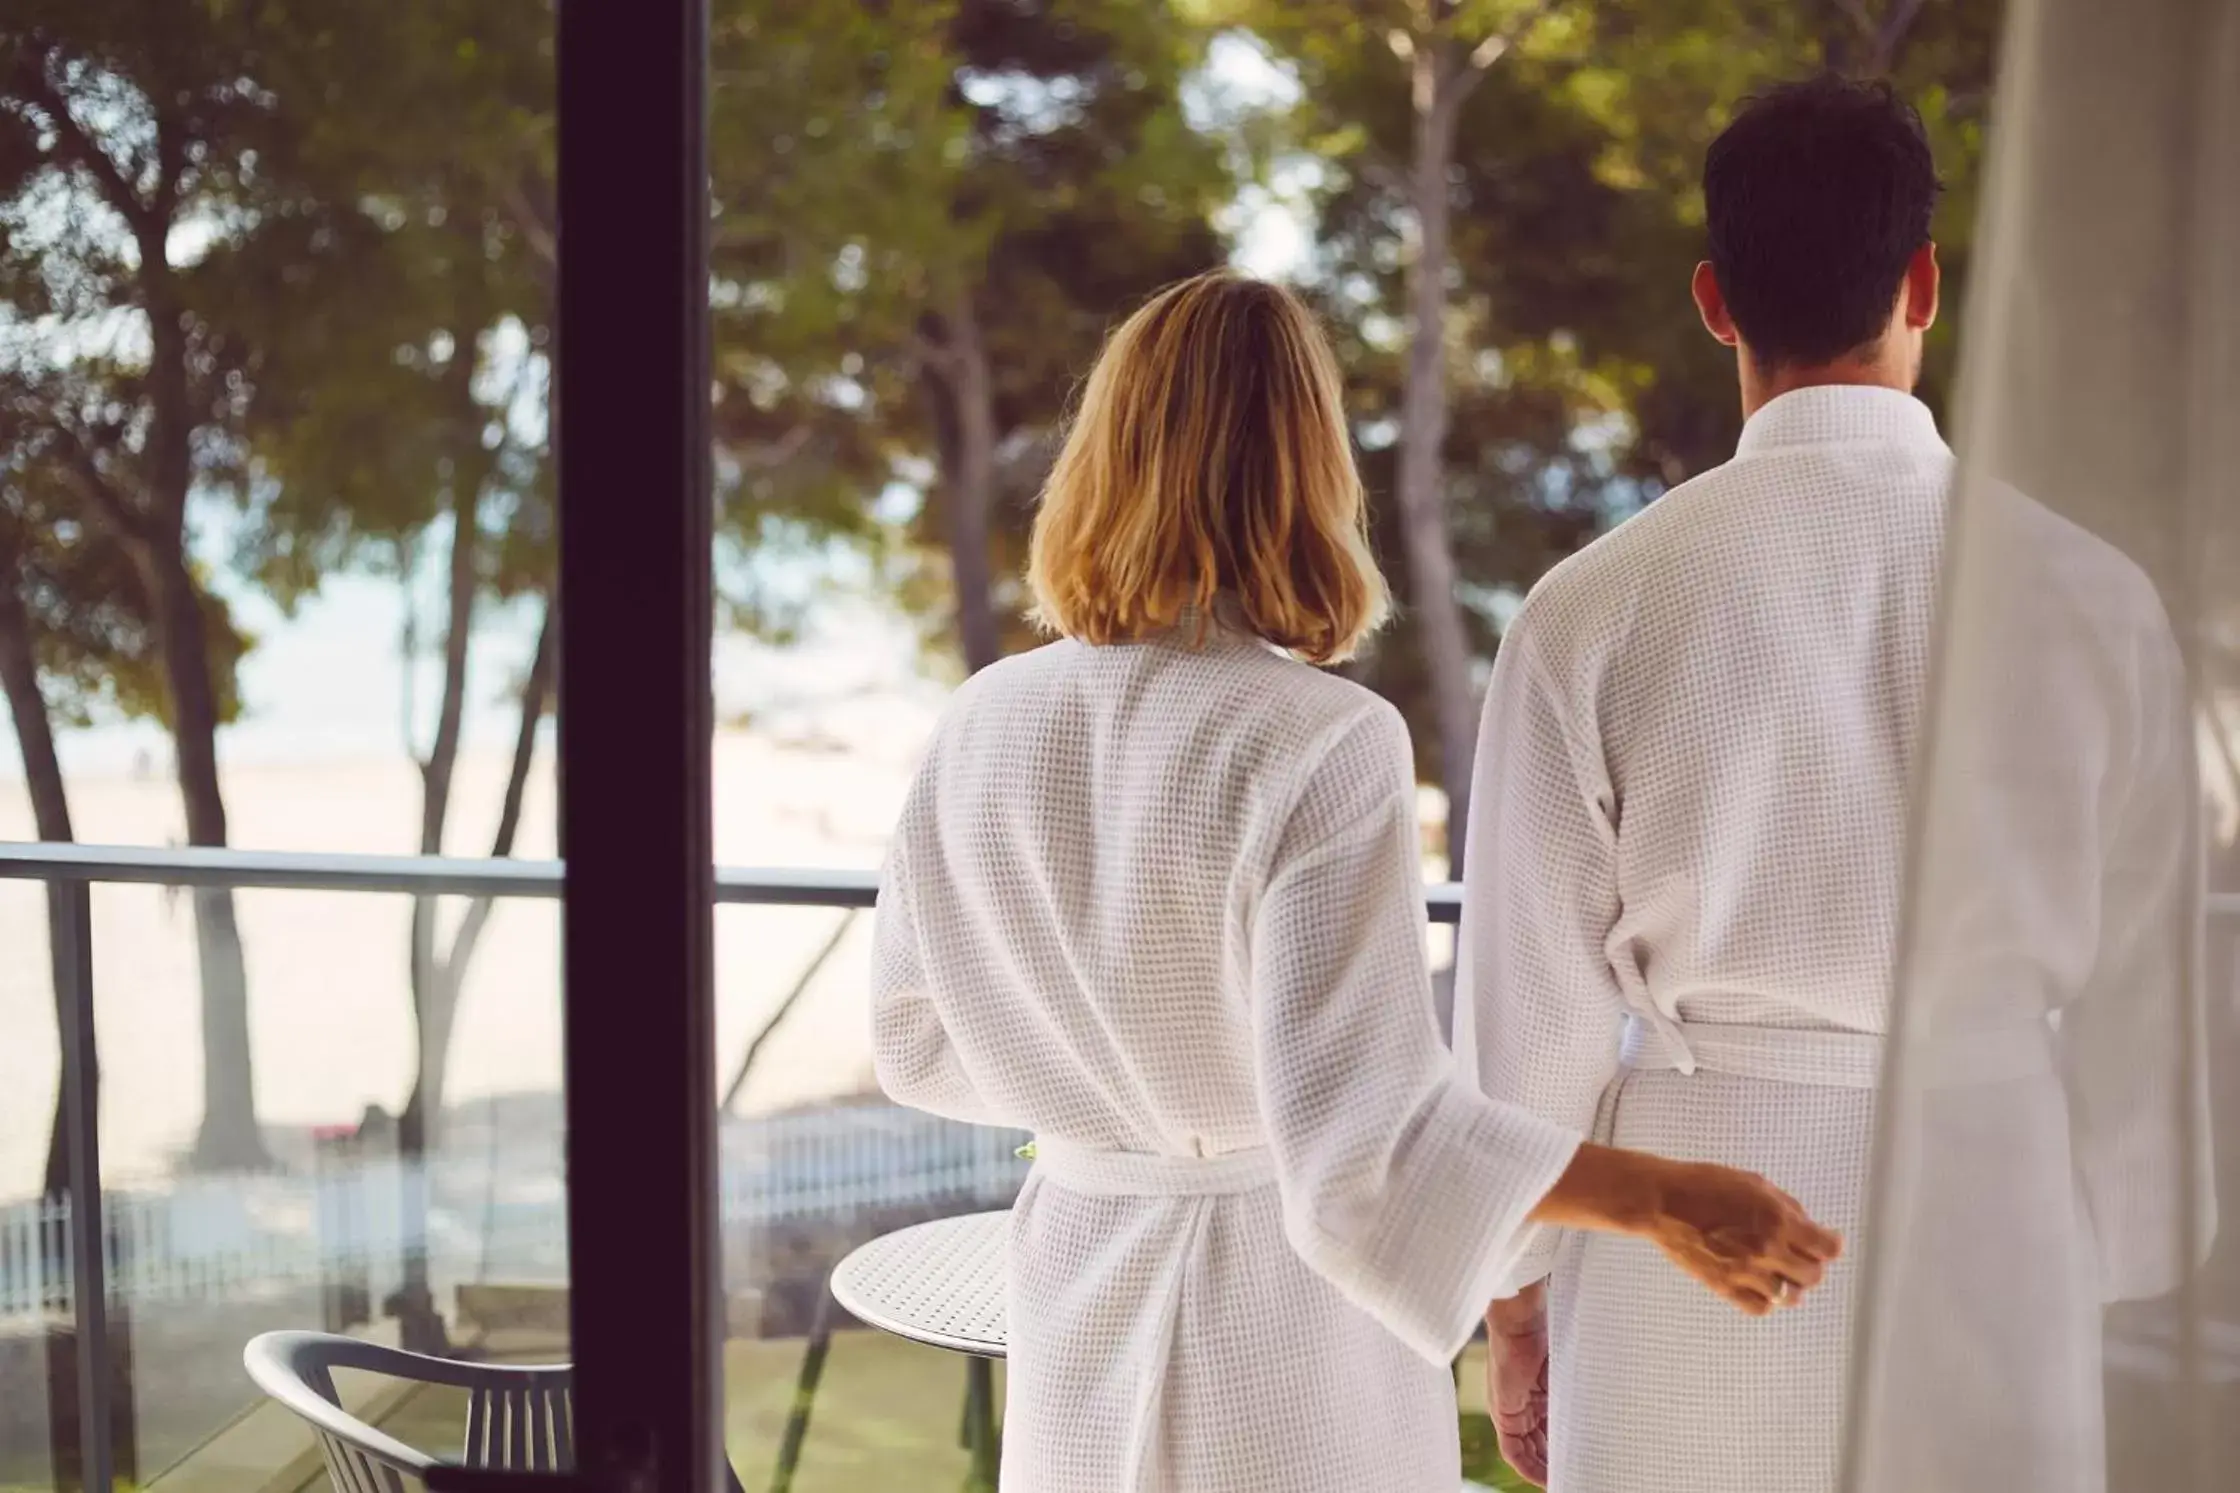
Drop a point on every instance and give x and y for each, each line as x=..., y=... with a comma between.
x=1762, y=386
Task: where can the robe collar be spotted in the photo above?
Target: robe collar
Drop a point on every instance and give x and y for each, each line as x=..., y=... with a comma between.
x=1221, y=625
x=1837, y=414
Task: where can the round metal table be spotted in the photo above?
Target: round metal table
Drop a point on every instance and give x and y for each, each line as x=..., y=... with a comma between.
x=940, y=1283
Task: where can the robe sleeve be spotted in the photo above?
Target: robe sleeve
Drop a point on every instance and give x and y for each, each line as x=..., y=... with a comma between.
x=2132, y=1047
x=912, y=1053
x=1401, y=1185
x=1538, y=1008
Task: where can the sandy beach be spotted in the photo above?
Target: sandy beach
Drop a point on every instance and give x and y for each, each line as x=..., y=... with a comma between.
x=330, y=1015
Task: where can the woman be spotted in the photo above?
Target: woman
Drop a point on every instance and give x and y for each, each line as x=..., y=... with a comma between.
x=1156, y=896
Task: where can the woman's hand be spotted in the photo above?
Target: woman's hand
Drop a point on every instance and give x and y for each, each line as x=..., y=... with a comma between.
x=1517, y=1381
x=1736, y=1233
x=1740, y=1235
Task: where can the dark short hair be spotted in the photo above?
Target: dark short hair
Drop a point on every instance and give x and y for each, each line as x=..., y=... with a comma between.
x=1817, y=195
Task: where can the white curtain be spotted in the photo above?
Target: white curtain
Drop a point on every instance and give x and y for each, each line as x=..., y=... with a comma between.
x=2050, y=1305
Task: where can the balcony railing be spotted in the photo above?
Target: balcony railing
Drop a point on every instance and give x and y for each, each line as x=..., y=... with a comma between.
x=110, y=1251
x=776, y=1168
x=437, y=876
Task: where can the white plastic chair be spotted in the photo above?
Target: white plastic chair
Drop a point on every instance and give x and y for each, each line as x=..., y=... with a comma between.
x=518, y=1419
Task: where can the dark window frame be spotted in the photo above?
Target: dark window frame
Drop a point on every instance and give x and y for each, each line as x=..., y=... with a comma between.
x=636, y=716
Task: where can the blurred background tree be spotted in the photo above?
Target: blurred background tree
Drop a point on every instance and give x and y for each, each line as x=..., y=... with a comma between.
x=929, y=214
x=143, y=152
x=1547, y=375
x=277, y=291
x=76, y=647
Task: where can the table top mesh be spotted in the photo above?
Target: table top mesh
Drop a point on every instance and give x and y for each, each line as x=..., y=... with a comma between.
x=940, y=1283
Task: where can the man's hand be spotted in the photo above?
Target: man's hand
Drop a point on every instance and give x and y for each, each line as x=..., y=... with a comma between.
x=1517, y=1382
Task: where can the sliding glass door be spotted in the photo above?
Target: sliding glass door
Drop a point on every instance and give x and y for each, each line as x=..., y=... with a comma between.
x=354, y=524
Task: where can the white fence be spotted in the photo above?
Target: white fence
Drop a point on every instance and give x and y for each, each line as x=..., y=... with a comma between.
x=831, y=1162
x=211, y=1238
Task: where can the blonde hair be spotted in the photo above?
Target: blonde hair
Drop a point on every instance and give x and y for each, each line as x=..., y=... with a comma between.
x=1209, y=458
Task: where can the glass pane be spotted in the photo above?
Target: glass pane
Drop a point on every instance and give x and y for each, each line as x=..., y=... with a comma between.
x=888, y=364
x=815, y=1163
x=33, y=1280
x=277, y=522
x=460, y=1249
x=2054, y=1300
x=926, y=220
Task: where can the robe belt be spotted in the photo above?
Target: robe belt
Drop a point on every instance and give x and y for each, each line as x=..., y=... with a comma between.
x=1099, y=1173
x=1085, y=1169
x=1833, y=1059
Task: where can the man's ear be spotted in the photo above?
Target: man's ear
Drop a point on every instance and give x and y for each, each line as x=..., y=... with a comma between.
x=1711, y=304
x=1924, y=281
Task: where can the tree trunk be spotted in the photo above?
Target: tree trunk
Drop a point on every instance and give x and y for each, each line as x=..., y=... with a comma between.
x=421, y=1119
x=780, y=1012
x=1438, y=85
x=436, y=1007
x=439, y=1016
x=229, y=1138
x=1890, y=36
x=434, y=995
x=50, y=818
x=969, y=483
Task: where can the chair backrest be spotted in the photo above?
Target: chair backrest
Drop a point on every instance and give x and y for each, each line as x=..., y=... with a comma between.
x=518, y=1419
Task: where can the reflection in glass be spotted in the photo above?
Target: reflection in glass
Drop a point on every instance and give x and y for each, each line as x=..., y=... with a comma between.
x=277, y=539
x=2055, y=1297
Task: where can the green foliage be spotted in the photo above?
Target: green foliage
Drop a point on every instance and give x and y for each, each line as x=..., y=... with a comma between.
x=85, y=598
x=344, y=204
x=1481, y=1456
x=1582, y=383
x=87, y=613
x=400, y=303
x=874, y=168
x=140, y=152
x=365, y=242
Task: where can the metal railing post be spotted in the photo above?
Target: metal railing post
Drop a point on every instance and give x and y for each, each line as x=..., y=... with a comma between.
x=89, y=1295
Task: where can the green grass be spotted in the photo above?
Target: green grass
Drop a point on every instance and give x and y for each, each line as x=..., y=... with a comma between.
x=885, y=1420
x=1481, y=1456
x=886, y=1416
x=1481, y=1460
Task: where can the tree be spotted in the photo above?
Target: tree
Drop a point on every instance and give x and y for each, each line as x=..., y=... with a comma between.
x=315, y=228
x=1447, y=50
x=427, y=367
x=74, y=645
x=1662, y=81
x=401, y=410
x=144, y=143
x=1866, y=39
x=403, y=418
x=1578, y=382
x=928, y=216
x=1434, y=55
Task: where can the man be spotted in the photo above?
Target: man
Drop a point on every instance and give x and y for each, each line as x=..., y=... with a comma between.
x=1685, y=874
x=1689, y=814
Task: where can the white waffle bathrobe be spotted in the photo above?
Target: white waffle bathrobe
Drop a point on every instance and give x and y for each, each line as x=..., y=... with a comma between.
x=1690, y=811
x=1682, y=891
x=1163, y=906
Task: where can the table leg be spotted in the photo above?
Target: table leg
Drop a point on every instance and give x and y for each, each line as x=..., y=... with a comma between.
x=980, y=1434
x=804, y=1397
